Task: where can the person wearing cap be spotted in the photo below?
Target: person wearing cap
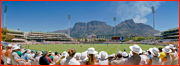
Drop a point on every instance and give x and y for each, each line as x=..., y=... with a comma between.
x=162, y=54
x=8, y=51
x=91, y=56
x=19, y=52
x=103, y=58
x=43, y=60
x=3, y=50
x=168, y=59
x=32, y=53
x=55, y=58
x=174, y=55
x=125, y=55
x=119, y=60
x=15, y=57
x=135, y=58
x=155, y=60
x=38, y=56
x=50, y=55
x=70, y=60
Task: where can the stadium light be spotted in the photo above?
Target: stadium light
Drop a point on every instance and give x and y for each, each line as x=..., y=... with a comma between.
x=69, y=25
x=153, y=11
x=5, y=10
x=114, y=26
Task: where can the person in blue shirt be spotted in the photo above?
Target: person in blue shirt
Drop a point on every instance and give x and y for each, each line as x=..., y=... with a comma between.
x=124, y=50
x=25, y=56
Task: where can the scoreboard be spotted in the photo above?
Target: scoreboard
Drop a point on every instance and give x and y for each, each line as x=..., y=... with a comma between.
x=117, y=38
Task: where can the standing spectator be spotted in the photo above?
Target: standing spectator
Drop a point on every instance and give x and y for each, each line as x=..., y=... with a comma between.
x=162, y=54
x=43, y=60
x=38, y=57
x=103, y=58
x=8, y=53
x=135, y=59
x=155, y=60
x=120, y=60
x=70, y=60
x=3, y=51
x=168, y=59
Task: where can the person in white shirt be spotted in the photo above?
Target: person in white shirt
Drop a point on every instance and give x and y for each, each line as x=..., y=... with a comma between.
x=55, y=57
x=70, y=60
x=39, y=53
x=103, y=60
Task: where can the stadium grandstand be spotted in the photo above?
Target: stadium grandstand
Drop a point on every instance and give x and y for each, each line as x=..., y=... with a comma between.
x=170, y=35
x=45, y=36
x=18, y=35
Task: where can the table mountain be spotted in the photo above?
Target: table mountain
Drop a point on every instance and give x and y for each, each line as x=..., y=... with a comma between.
x=125, y=28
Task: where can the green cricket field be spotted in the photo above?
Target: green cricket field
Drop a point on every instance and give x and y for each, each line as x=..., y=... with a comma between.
x=110, y=48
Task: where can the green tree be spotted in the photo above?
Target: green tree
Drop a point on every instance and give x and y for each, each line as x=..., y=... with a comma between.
x=157, y=38
x=2, y=37
x=149, y=37
x=85, y=39
x=4, y=31
x=78, y=39
x=138, y=38
x=9, y=37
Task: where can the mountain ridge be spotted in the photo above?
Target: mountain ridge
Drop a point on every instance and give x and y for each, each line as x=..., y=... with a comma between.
x=125, y=28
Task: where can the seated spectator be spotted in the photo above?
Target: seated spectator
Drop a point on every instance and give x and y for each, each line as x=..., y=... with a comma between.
x=70, y=60
x=43, y=60
x=119, y=61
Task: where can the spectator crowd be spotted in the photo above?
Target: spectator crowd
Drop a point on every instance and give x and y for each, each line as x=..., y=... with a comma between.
x=15, y=55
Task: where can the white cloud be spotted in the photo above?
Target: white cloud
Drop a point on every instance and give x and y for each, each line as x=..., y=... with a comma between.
x=136, y=10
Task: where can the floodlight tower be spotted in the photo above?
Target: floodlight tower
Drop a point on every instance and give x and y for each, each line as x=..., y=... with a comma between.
x=5, y=10
x=153, y=11
x=114, y=26
x=69, y=25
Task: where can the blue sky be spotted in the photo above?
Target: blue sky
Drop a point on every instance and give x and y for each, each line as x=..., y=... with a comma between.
x=47, y=16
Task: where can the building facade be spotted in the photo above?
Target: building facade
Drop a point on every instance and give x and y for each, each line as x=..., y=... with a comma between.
x=18, y=35
x=45, y=36
x=171, y=34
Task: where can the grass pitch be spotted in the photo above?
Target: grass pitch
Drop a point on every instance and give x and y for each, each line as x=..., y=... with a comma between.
x=111, y=48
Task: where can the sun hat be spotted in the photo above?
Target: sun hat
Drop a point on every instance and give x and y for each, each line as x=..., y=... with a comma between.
x=136, y=49
x=124, y=54
x=103, y=55
x=83, y=56
x=167, y=49
x=171, y=46
x=49, y=52
x=9, y=45
x=65, y=54
x=91, y=51
x=112, y=55
x=154, y=51
x=77, y=55
x=15, y=47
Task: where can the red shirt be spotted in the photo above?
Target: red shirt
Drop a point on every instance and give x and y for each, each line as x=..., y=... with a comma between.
x=49, y=59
